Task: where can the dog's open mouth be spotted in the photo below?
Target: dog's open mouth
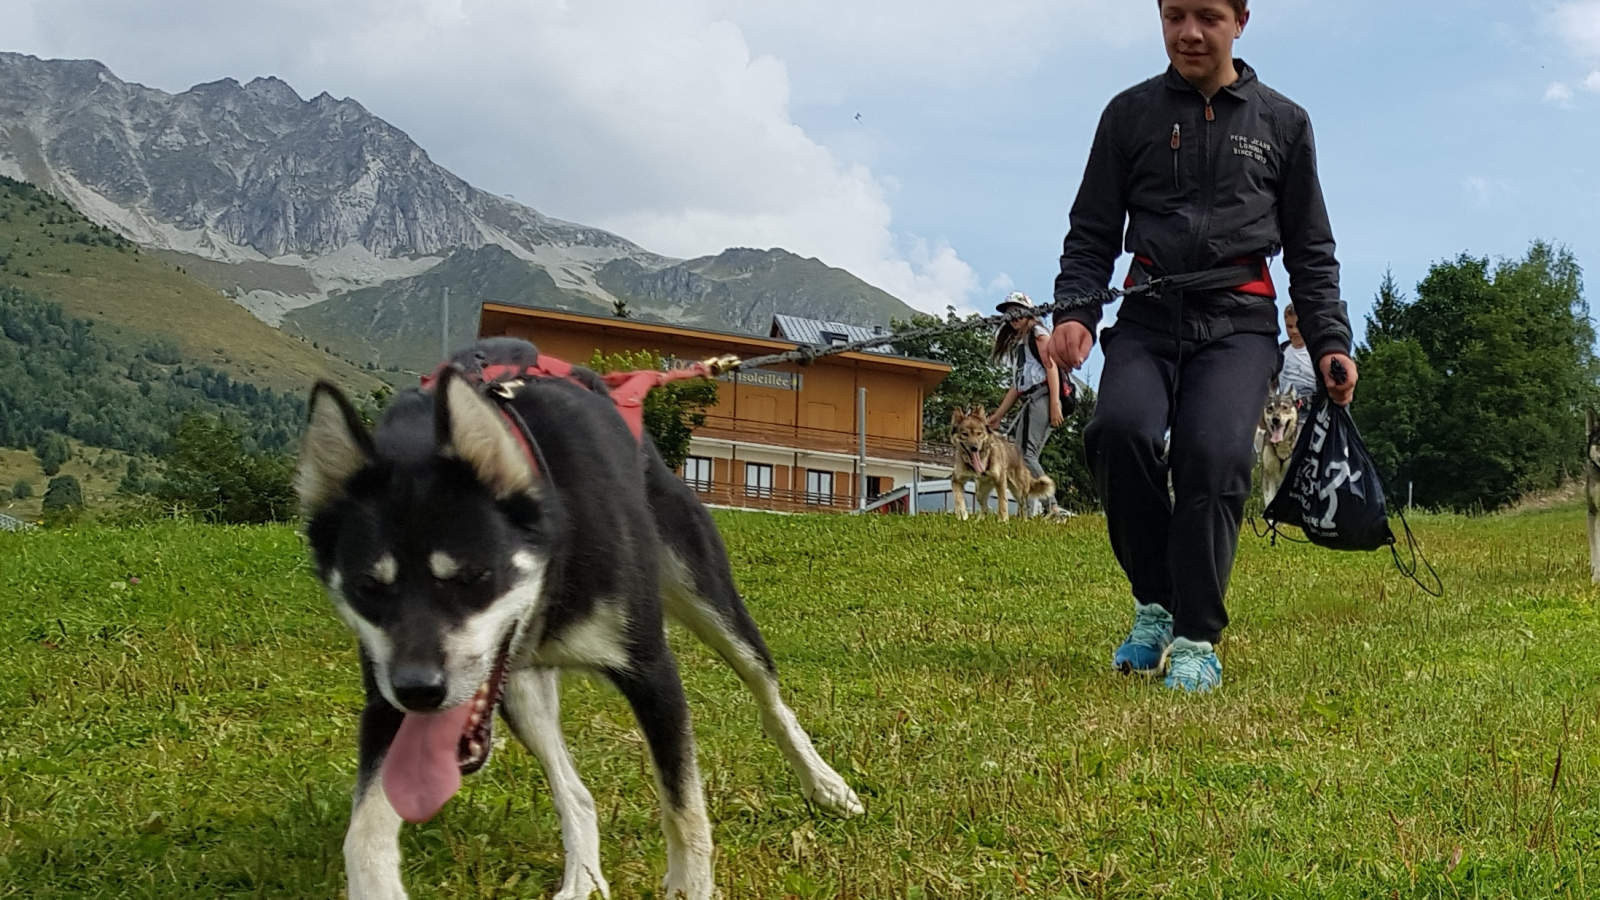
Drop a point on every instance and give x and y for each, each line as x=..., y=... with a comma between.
x=975, y=456
x=473, y=749
x=1278, y=428
x=431, y=751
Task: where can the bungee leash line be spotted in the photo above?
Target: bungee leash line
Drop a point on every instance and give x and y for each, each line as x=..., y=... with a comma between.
x=1211, y=279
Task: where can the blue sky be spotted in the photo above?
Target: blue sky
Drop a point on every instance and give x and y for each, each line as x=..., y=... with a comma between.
x=1435, y=135
x=692, y=125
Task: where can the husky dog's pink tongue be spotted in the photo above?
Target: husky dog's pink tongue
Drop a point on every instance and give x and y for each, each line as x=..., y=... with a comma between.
x=1277, y=434
x=421, y=772
x=978, y=462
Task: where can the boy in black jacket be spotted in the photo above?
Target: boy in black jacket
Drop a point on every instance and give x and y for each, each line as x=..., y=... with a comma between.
x=1208, y=168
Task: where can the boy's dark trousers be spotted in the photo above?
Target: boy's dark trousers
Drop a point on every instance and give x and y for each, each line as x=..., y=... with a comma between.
x=1177, y=548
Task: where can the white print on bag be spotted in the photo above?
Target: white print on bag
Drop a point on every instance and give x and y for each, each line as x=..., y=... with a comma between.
x=1338, y=473
x=1255, y=148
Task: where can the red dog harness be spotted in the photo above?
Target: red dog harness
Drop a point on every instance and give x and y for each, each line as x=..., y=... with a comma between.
x=627, y=389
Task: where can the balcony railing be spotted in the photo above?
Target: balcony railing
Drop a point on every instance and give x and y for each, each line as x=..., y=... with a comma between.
x=825, y=440
x=774, y=499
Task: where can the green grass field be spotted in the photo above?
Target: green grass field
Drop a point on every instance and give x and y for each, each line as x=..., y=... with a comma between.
x=192, y=735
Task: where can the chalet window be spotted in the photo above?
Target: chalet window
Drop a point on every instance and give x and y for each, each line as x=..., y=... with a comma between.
x=697, y=472
x=875, y=488
x=819, y=488
x=834, y=338
x=757, y=480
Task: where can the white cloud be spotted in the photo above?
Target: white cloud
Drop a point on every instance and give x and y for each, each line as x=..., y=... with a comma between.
x=1578, y=23
x=933, y=42
x=1559, y=93
x=652, y=118
x=1490, y=192
x=1591, y=82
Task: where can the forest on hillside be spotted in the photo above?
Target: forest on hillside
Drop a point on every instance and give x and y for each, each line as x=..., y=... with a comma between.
x=60, y=377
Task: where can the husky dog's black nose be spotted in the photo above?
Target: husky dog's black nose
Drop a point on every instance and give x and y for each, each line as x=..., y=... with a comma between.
x=418, y=688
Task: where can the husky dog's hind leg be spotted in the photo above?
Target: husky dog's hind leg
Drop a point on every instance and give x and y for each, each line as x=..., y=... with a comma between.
x=700, y=593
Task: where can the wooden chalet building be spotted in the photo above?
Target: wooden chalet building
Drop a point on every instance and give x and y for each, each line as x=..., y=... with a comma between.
x=780, y=438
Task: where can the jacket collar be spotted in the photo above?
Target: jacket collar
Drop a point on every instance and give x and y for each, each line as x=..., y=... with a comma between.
x=1247, y=77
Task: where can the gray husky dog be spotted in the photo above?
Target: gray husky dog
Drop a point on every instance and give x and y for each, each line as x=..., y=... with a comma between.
x=482, y=539
x=1275, y=440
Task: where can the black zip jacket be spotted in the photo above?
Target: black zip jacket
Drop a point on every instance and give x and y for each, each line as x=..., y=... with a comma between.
x=1201, y=186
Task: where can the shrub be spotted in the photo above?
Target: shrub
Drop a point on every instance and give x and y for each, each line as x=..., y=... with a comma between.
x=63, y=493
x=22, y=490
x=210, y=473
x=53, y=450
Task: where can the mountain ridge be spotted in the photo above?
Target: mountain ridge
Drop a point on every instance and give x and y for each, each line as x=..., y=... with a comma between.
x=286, y=203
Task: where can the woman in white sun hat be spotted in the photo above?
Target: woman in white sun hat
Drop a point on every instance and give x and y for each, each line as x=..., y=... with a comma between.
x=1035, y=380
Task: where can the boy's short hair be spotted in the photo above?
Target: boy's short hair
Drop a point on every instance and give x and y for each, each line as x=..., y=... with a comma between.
x=1239, y=6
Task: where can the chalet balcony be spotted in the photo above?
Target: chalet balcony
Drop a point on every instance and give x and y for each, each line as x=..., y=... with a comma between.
x=825, y=440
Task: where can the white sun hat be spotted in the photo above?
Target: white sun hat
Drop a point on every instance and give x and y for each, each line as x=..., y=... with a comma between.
x=1013, y=300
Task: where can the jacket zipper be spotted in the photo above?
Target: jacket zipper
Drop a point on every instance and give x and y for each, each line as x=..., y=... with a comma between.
x=1177, y=142
x=1207, y=188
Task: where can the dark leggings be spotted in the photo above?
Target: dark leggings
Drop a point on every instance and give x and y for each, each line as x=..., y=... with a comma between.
x=1177, y=545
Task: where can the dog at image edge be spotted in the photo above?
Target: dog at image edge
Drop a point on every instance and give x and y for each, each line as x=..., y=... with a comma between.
x=994, y=463
x=1275, y=440
x=471, y=575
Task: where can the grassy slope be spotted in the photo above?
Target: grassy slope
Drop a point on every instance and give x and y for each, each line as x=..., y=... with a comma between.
x=99, y=472
x=191, y=736
x=144, y=298
x=398, y=323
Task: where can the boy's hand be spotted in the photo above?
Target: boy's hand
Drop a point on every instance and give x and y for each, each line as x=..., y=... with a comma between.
x=1070, y=344
x=1341, y=390
x=1056, y=418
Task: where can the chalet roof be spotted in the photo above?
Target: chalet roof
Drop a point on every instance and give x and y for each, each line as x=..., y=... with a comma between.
x=824, y=334
x=495, y=318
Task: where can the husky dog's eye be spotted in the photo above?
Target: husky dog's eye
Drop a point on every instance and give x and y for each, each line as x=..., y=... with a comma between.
x=474, y=575
x=368, y=586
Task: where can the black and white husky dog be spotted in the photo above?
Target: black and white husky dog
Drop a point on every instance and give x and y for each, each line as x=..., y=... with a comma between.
x=473, y=568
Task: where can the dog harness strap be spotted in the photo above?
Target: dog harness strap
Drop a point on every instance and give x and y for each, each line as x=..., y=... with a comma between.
x=628, y=389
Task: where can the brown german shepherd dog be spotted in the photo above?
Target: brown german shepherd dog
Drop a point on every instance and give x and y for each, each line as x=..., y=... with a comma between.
x=993, y=462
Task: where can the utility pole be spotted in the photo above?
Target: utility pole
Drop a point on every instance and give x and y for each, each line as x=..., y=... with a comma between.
x=444, y=331
x=861, y=448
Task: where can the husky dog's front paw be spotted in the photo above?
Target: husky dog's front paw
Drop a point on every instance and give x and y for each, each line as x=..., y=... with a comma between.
x=583, y=884
x=830, y=792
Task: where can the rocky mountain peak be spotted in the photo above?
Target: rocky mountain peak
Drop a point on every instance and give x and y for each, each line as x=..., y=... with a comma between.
x=310, y=200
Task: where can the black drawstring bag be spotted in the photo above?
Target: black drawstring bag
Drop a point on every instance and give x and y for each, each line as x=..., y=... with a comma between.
x=1332, y=492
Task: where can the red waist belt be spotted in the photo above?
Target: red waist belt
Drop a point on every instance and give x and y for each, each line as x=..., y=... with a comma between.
x=1260, y=287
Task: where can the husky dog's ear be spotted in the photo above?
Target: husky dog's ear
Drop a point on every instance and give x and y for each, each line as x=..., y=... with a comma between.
x=335, y=447
x=467, y=426
x=956, y=413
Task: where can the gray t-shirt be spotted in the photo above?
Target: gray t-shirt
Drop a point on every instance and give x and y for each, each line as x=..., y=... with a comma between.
x=1298, y=374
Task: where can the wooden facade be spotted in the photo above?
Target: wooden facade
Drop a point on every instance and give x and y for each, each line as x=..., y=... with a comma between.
x=784, y=438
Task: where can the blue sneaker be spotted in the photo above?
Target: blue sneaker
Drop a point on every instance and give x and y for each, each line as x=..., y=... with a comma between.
x=1142, y=651
x=1193, y=666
